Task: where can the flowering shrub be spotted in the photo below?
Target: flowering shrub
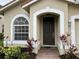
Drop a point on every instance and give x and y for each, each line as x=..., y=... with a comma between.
x=31, y=46
x=73, y=48
x=64, y=40
x=70, y=53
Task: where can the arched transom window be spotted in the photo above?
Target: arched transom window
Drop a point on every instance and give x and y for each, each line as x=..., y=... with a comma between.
x=21, y=28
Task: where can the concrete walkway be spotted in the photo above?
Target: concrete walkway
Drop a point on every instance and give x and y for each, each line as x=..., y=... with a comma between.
x=48, y=53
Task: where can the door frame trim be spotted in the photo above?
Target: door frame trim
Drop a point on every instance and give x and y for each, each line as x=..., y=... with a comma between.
x=50, y=10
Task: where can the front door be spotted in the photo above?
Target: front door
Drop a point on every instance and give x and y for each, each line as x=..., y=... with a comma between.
x=48, y=31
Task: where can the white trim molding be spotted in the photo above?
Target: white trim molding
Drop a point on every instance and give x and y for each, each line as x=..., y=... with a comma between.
x=73, y=39
x=46, y=10
x=19, y=15
x=33, y=1
x=73, y=1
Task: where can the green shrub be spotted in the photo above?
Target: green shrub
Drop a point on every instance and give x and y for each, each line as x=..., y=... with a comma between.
x=1, y=42
x=1, y=39
x=1, y=36
x=24, y=56
x=12, y=52
x=1, y=50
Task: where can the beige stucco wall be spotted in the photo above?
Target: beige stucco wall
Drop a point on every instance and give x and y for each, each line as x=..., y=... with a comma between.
x=74, y=10
x=68, y=9
x=54, y=4
x=77, y=32
x=40, y=29
x=1, y=22
x=0, y=25
x=8, y=16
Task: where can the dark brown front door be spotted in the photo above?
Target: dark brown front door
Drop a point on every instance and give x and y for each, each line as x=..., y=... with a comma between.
x=48, y=31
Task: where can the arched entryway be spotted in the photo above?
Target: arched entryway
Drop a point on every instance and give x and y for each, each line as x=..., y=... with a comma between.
x=52, y=12
x=48, y=29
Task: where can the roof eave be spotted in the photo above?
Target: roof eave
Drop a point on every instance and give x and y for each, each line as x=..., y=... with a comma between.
x=75, y=2
x=9, y=5
x=29, y=3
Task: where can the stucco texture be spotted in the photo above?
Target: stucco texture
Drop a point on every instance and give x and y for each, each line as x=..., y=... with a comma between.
x=74, y=10
x=54, y=4
x=8, y=17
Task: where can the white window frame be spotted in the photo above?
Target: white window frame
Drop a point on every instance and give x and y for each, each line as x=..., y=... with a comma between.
x=72, y=19
x=12, y=24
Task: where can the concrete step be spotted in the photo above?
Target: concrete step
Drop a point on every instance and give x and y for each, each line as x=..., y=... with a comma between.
x=48, y=53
